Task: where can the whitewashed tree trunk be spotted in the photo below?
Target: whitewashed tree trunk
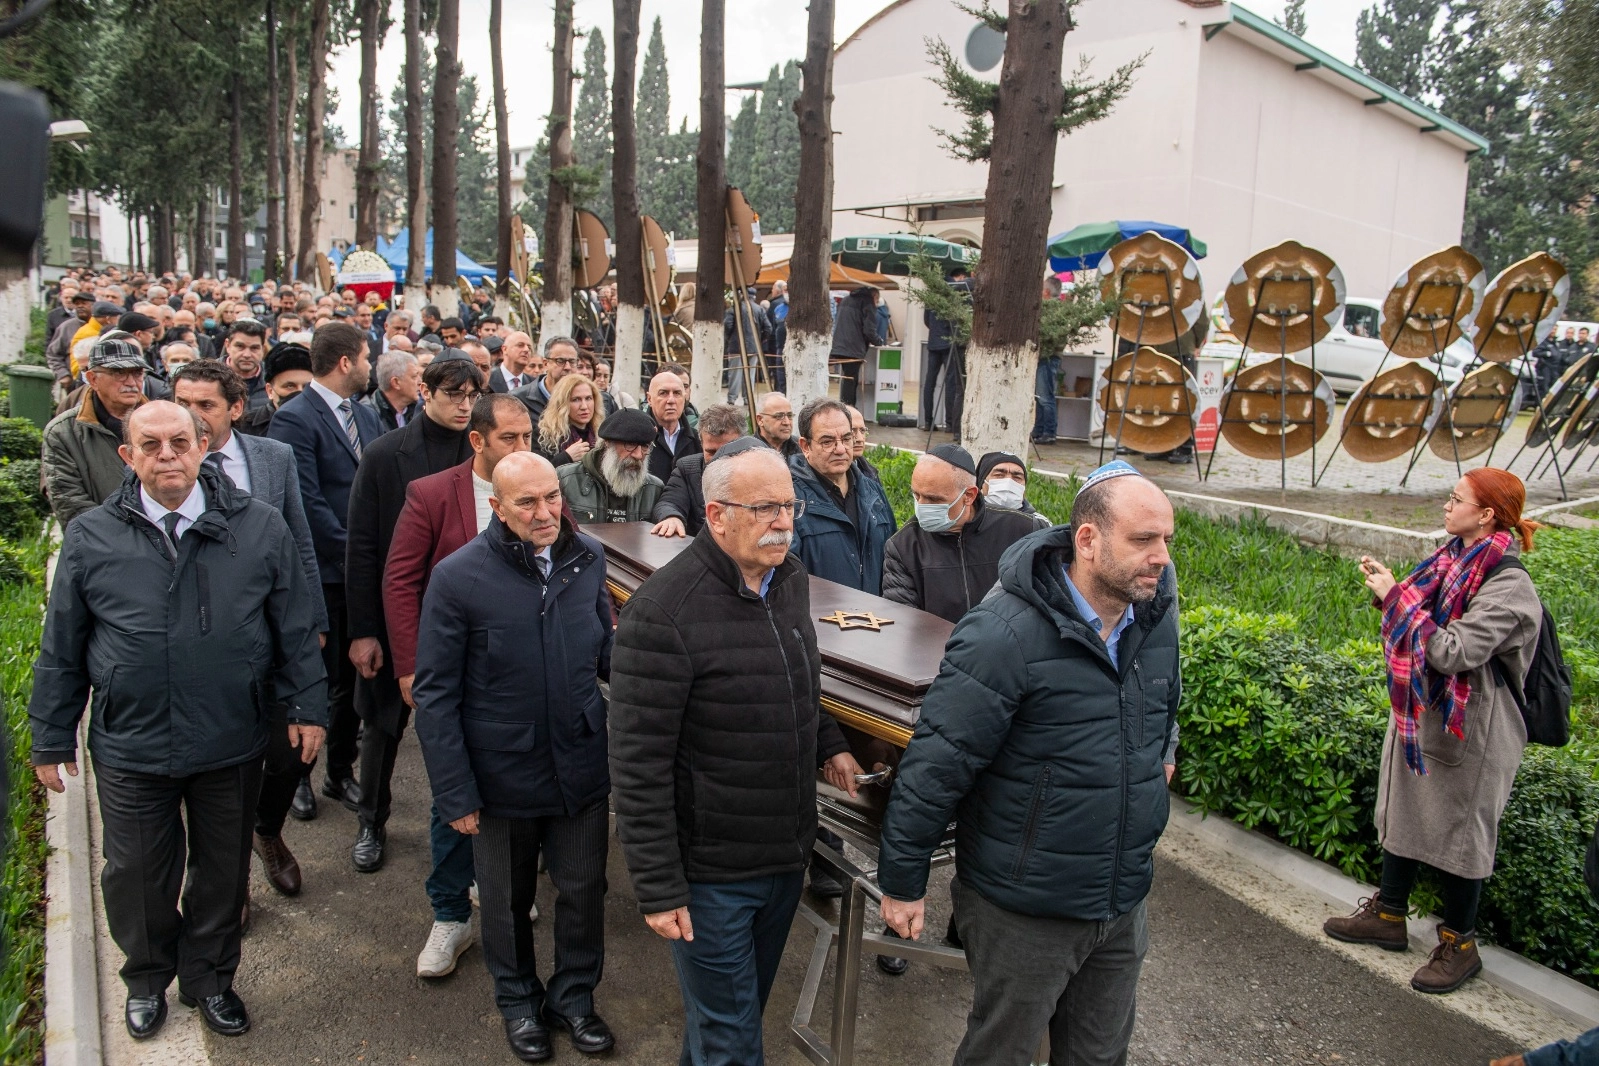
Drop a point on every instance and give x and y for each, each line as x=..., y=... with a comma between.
x=999, y=398
x=556, y=321
x=445, y=297
x=629, y=366
x=706, y=370
x=14, y=306
x=416, y=298
x=805, y=365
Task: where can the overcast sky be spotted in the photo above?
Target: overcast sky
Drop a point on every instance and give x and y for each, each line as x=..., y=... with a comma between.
x=759, y=34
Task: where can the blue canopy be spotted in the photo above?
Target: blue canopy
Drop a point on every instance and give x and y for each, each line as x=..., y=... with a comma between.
x=396, y=251
x=1083, y=247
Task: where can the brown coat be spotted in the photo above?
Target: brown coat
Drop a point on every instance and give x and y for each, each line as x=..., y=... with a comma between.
x=1449, y=819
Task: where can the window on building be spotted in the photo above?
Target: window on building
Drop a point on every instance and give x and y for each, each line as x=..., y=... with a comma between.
x=352, y=211
x=249, y=239
x=222, y=198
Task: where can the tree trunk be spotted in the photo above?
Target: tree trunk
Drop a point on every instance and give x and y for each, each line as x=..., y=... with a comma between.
x=274, y=187
x=810, y=321
x=446, y=131
x=557, y=247
x=630, y=306
x=502, y=152
x=161, y=257
x=315, y=110
x=199, y=261
x=291, y=158
x=709, y=308
x=1002, y=360
x=416, y=208
x=138, y=241
x=236, y=266
x=369, y=168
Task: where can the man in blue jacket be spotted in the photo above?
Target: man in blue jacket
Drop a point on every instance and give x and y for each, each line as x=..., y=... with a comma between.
x=1048, y=738
x=514, y=638
x=847, y=516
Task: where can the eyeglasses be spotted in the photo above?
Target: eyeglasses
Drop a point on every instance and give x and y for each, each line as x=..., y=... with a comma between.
x=768, y=512
x=1454, y=498
x=634, y=450
x=827, y=444
x=152, y=448
x=780, y=416
x=561, y=360
x=459, y=396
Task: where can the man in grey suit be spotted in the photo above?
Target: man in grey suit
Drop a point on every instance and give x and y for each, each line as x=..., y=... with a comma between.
x=265, y=469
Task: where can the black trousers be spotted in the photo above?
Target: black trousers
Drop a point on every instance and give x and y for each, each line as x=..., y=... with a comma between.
x=148, y=852
x=280, y=776
x=505, y=854
x=849, y=384
x=343, y=725
x=384, y=715
x=951, y=362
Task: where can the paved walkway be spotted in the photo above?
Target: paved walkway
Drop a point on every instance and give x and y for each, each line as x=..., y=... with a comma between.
x=329, y=977
x=1368, y=492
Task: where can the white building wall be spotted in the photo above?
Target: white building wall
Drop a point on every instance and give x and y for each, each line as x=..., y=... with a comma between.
x=1284, y=156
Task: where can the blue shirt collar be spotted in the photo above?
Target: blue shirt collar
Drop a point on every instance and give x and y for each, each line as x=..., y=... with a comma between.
x=766, y=582
x=1094, y=620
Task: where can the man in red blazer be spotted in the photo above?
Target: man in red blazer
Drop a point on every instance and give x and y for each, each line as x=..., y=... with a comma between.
x=442, y=513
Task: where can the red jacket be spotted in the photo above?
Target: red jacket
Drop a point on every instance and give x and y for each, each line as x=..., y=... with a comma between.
x=440, y=516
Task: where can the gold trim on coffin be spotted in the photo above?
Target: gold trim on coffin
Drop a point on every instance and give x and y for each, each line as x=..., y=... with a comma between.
x=871, y=725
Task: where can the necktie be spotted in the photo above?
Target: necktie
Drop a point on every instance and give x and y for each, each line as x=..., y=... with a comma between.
x=347, y=416
x=544, y=571
x=170, y=521
x=214, y=461
x=513, y=381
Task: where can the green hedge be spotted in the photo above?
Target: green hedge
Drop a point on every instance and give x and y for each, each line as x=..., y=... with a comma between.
x=22, y=904
x=1285, y=707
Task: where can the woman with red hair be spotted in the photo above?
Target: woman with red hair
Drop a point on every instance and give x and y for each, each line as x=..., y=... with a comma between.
x=1456, y=735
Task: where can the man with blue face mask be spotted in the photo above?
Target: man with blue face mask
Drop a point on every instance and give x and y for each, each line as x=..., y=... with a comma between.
x=946, y=561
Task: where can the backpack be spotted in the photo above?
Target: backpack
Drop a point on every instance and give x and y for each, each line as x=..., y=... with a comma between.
x=1544, y=698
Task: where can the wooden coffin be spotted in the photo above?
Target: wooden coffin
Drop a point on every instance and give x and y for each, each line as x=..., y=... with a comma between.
x=873, y=680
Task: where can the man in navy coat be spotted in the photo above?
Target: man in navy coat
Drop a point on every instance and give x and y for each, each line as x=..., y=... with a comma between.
x=328, y=431
x=514, y=638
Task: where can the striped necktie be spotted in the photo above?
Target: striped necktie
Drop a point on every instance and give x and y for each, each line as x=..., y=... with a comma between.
x=347, y=415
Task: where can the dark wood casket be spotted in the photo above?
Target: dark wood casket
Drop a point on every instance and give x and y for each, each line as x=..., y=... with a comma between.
x=872, y=680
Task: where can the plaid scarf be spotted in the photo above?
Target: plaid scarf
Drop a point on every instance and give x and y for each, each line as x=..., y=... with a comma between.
x=1435, y=594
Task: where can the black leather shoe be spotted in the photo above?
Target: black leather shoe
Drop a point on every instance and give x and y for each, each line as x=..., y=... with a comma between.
x=892, y=965
x=590, y=1034
x=824, y=885
x=346, y=792
x=224, y=1013
x=367, y=854
x=528, y=1038
x=145, y=1015
x=303, y=808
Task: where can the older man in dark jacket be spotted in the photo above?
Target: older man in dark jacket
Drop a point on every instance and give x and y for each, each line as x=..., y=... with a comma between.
x=515, y=637
x=847, y=517
x=716, y=734
x=184, y=604
x=945, y=562
x=1043, y=738
x=681, y=509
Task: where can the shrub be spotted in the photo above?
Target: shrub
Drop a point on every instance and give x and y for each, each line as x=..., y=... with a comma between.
x=5, y=403
x=24, y=474
x=19, y=520
x=20, y=439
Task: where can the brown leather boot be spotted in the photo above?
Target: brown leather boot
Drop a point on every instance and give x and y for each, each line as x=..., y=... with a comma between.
x=282, y=870
x=1373, y=923
x=1454, y=962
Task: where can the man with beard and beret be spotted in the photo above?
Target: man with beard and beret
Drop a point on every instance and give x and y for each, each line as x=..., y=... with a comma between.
x=1048, y=738
x=435, y=440
x=514, y=639
x=611, y=483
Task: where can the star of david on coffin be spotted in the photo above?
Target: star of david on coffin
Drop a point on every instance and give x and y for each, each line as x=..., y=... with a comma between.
x=857, y=620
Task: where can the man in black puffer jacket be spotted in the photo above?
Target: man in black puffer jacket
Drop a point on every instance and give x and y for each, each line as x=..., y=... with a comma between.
x=716, y=735
x=1044, y=738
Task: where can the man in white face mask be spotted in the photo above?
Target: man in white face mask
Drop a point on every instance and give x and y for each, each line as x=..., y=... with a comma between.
x=1002, y=478
x=946, y=561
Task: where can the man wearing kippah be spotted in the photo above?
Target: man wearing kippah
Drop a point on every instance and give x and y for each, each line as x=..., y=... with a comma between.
x=1049, y=738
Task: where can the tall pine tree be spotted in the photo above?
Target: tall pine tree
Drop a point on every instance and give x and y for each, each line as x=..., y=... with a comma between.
x=591, y=128
x=1394, y=43
x=1293, y=19
x=742, y=152
x=665, y=159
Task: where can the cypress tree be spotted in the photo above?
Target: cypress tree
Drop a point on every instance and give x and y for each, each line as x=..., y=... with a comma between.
x=591, y=127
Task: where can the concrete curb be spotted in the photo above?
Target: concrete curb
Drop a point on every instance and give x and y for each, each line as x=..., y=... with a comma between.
x=1515, y=974
x=71, y=985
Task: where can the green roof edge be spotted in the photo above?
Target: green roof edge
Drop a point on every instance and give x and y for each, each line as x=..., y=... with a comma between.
x=1441, y=123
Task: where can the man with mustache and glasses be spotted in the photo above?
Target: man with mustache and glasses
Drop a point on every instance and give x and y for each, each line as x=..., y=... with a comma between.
x=1049, y=738
x=715, y=738
x=612, y=483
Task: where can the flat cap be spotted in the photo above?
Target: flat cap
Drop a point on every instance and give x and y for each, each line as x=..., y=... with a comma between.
x=116, y=353
x=105, y=308
x=133, y=322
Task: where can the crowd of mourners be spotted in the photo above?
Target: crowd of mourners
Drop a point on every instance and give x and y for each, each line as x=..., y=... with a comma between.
x=295, y=524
